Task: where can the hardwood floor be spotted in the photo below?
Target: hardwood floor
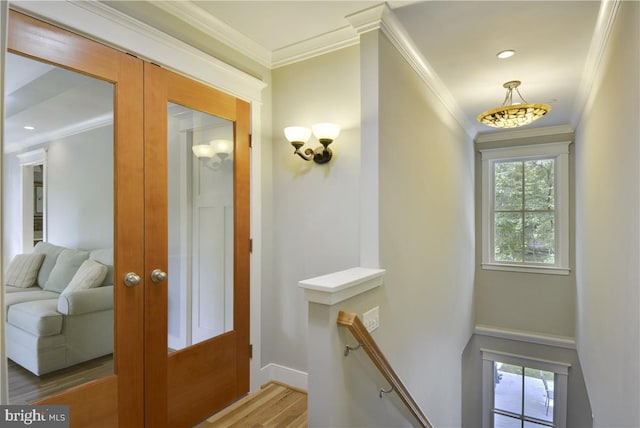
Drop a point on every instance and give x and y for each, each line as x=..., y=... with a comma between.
x=274, y=405
x=25, y=387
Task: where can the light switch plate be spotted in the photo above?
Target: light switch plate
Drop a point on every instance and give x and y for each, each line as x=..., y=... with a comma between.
x=371, y=319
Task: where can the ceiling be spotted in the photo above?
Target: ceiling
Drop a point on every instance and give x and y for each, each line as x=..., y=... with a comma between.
x=456, y=41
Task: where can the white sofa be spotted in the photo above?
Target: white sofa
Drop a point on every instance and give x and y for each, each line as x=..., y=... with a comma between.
x=59, y=307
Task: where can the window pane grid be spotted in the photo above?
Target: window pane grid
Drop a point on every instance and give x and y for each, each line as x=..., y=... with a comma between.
x=520, y=399
x=522, y=420
x=524, y=211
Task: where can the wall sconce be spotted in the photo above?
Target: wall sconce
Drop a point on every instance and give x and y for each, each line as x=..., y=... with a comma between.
x=217, y=150
x=324, y=132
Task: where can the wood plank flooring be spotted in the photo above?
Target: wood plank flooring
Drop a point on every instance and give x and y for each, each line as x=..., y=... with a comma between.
x=25, y=387
x=275, y=405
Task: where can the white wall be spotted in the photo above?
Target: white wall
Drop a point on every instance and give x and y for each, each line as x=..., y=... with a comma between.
x=608, y=233
x=80, y=190
x=529, y=302
x=426, y=237
x=315, y=212
x=79, y=193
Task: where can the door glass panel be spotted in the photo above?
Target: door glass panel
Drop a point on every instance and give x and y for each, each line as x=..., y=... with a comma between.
x=200, y=222
x=58, y=200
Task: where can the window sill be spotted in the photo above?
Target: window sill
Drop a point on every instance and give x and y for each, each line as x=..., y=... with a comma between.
x=548, y=270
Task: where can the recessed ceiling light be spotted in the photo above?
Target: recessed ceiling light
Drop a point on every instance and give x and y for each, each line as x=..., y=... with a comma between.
x=29, y=127
x=506, y=54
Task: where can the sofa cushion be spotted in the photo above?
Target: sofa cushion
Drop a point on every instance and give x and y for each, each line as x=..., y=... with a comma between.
x=67, y=265
x=51, y=253
x=89, y=275
x=39, y=317
x=23, y=270
x=104, y=256
x=11, y=289
x=11, y=299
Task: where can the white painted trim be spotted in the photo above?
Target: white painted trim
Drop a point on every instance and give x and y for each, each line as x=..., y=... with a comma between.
x=285, y=375
x=60, y=133
x=531, y=150
x=368, y=19
x=382, y=17
x=514, y=267
x=594, y=64
x=560, y=369
x=4, y=384
x=523, y=133
x=531, y=362
x=255, y=275
x=316, y=46
x=193, y=15
x=27, y=161
x=34, y=157
x=526, y=336
x=339, y=286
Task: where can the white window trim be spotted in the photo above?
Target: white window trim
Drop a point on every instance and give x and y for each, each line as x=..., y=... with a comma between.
x=560, y=385
x=560, y=152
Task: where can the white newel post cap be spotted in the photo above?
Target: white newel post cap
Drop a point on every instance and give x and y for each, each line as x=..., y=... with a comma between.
x=336, y=287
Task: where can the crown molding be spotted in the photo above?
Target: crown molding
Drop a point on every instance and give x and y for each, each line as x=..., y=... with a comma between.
x=523, y=133
x=594, y=64
x=191, y=13
x=60, y=133
x=368, y=19
x=382, y=18
x=102, y=23
x=316, y=46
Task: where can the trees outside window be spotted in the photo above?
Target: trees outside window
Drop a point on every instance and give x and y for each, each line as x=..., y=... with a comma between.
x=524, y=211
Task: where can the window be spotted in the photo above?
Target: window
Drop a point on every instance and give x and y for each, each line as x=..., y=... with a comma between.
x=523, y=392
x=525, y=206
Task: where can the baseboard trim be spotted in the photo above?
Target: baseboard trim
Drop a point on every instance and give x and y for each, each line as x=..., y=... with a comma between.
x=284, y=375
x=526, y=336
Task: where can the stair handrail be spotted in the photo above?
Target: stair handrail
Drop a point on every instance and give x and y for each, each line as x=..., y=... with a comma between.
x=352, y=323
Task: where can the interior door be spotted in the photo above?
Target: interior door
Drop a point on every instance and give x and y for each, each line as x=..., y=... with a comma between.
x=196, y=248
x=116, y=399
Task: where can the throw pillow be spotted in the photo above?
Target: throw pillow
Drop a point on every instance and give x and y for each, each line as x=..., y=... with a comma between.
x=89, y=275
x=104, y=256
x=23, y=270
x=51, y=253
x=67, y=265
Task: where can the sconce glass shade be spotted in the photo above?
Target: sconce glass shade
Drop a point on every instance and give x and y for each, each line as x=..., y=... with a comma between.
x=326, y=131
x=203, y=150
x=297, y=134
x=221, y=146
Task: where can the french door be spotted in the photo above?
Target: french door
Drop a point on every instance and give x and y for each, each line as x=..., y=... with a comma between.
x=197, y=230
x=181, y=238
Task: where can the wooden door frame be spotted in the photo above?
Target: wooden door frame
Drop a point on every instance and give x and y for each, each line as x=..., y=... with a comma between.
x=106, y=401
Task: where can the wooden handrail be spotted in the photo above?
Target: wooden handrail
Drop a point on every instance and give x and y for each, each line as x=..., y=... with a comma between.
x=360, y=333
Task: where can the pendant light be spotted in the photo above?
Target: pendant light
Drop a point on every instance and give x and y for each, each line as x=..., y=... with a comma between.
x=511, y=115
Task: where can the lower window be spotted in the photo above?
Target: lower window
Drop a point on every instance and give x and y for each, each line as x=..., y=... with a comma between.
x=522, y=392
x=522, y=396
